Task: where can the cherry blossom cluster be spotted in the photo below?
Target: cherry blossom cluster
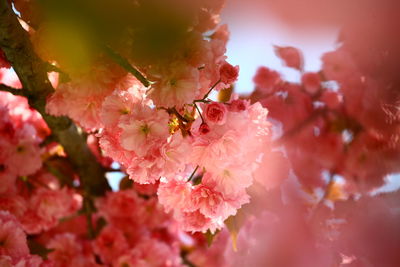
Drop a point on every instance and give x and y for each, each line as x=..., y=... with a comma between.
x=196, y=65
x=289, y=175
x=342, y=109
x=172, y=129
x=195, y=157
x=39, y=214
x=31, y=199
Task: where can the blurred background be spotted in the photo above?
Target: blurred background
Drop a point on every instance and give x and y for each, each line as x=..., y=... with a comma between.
x=312, y=26
x=256, y=26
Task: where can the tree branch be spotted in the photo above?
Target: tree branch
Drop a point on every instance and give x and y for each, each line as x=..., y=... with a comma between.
x=12, y=90
x=31, y=70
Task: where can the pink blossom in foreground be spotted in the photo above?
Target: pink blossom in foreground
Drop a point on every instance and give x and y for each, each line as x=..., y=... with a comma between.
x=12, y=238
x=110, y=244
x=148, y=253
x=143, y=129
x=175, y=194
x=215, y=113
x=177, y=87
x=68, y=250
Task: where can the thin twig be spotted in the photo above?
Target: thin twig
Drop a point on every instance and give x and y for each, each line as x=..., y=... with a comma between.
x=198, y=110
x=212, y=87
x=177, y=114
x=123, y=62
x=193, y=173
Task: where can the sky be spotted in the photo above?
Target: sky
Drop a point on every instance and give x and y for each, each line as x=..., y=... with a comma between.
x=253, y=34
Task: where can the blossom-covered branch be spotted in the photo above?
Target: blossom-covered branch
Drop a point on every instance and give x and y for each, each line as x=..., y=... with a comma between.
x=31, y=70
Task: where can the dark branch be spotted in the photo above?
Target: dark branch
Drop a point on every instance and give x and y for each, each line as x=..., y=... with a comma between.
x=12, y=90
x=32, y=72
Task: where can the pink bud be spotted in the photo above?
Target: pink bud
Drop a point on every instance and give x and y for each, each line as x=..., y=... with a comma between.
x=311, y=82
x=204, y=128
x=291, y=56
x=265, y=79
x=331, y=99
x=228, y=73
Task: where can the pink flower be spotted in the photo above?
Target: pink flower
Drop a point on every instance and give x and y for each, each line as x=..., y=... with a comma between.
x=289, y=106
x=204, y=128
x=291, y=56
x=47, y=206
x=174, y=154
x=109, y=143
x=240, y=138
x=110, y=244
x=23, y=150
x=87, y=91
x=215, y=113
x=86, y=108
x=30, y=261
x=332, y=99
x=121, y=103
x=14, y=204
x=7, y=180
x=339, y=66
x=213, y=151
x=143, y=129
x=121, y=208
x=230, y=181
x=12, y=237
x=196, y=222
x=161, y=159
x=68, y=250
x=266, y=79
x=311, y=82
x=180, y=85
x=175, y=194
x=273, y=170
x=150, y=253
x=238, y=105
x=146, y=189
x=209, y=202
x=228, y=73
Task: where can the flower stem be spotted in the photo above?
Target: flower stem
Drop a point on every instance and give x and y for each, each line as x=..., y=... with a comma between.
x=193, y=173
